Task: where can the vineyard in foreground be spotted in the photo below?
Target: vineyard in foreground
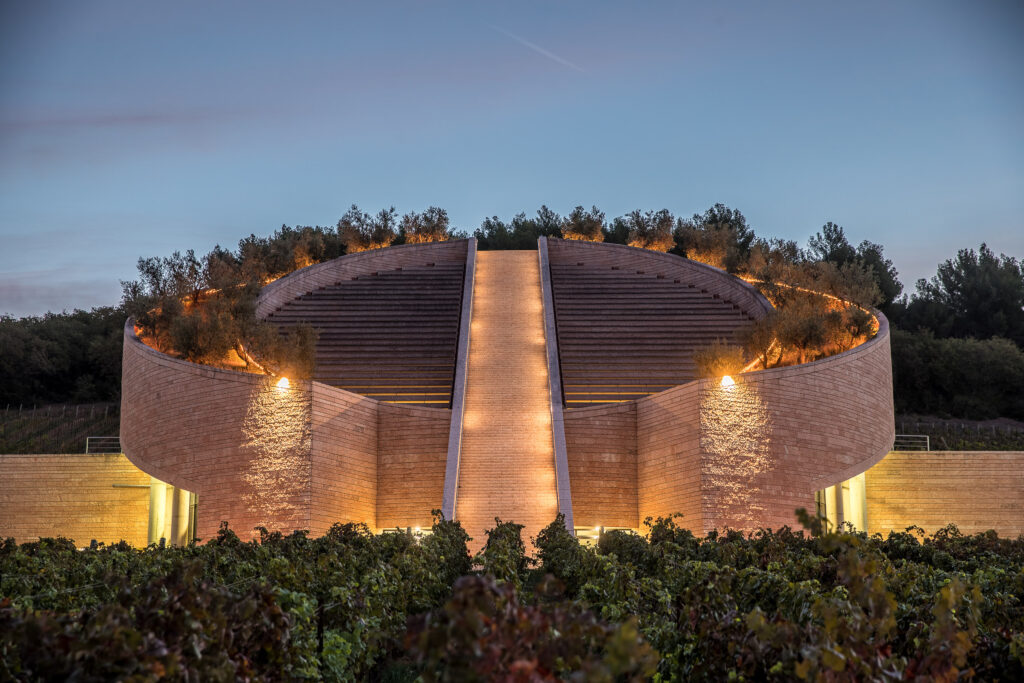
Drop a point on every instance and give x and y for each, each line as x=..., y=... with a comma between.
x=782, y=605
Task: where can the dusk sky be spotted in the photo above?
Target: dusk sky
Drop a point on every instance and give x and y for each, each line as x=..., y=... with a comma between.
x=137, y=129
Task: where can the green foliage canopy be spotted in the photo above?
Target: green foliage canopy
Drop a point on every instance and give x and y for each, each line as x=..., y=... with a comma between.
x=976, y=294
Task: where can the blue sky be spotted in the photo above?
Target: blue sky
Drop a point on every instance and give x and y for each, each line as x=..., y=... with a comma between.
x=135, y=129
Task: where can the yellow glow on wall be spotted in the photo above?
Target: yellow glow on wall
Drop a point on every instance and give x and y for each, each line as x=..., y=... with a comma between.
x=736, y=435
x=845, y=503
x=170, y=518
x=277, y=437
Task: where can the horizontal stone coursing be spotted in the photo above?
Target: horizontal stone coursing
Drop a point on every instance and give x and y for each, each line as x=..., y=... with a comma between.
x=298, y=458
x=601, y=443
x=306, y=280
x=412, y=449
x=77, y=496
x=754, y=454
x=977, y=491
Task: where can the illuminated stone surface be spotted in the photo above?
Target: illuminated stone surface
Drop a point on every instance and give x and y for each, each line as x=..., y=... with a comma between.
x=309, y=454
x=977, y=491
x=507, y=467
x=743, y=459
x=77, y=496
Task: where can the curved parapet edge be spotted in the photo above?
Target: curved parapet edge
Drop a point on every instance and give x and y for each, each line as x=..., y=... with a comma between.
x=716, y=281
x=308, y=279
x=859, y=384
x=747, y=456
x=204, y=429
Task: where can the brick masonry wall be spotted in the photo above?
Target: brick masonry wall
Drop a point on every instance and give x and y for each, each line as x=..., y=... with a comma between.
x=977, y=491
x=669, y=456
x=304, y=281
x=412, y=449
x=73, y=496
x=601, y=444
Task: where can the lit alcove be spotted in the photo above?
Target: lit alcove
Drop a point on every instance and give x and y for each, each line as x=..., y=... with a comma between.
x=172, y=514
x=845, y=503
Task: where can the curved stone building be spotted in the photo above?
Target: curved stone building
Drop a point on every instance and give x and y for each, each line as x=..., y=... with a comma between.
x=510, y=384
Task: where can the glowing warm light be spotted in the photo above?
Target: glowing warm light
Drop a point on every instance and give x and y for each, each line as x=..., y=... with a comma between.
x=507, y=366
x=277, y=441
x=283, y=383
x=735, y=436
x=728, y=382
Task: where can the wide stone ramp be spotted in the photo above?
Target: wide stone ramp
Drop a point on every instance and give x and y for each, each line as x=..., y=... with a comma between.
x=507, y=463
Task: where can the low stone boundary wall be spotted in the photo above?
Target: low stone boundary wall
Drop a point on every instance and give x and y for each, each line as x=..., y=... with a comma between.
x=81, y=497
x=976, y=490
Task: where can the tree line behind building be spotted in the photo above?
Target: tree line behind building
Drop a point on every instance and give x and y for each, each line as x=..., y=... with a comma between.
x=957, y=339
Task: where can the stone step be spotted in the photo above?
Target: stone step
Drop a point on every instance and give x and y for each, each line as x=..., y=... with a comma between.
x=507, y=464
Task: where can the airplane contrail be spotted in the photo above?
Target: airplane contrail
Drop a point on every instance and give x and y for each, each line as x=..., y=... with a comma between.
x=538, y=49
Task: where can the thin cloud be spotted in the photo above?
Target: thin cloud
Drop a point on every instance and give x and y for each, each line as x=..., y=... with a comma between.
x=538, y=49
x=22, y=295
x=112, y=120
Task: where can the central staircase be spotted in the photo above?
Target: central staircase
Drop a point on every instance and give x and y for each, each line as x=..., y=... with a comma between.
x=507, y=464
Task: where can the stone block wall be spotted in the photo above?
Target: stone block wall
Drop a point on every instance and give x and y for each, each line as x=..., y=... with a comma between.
x=821, y=423
x=977, y=491
x=209, y=431
x=412, y=450
x=344, y=458
x=749, y=455
x=78, y=496
x=601, y=446
x=297, y=458
x=669, y=456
